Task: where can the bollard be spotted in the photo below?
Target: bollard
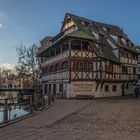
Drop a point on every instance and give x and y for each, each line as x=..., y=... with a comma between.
x=5, y=111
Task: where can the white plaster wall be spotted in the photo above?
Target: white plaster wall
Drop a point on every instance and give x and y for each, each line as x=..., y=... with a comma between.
x=73, y=89
x=130, y=89
x=90, y=89
x=102, y=93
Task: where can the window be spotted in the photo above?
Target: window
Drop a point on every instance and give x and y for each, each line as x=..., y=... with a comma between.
x=68, y=20
x=43, y=70
x=68, y=23
x=52, y=68
x=75, y=65
x=139, y=59
x=54, y=88
x=57, y=67
x=52, y=53
x=82, y=66
x=76, y=45
x=65, y=46
x=58, y=50
x=122, y=54
x=124, y=69
x=139, y=68
x=65, y=65
x=114, y=88
x=89, y=68
x=47, y=54
x=134, y=70
x=85, y=45
x=45, y=88
x=127, y=86
x=109, y=66
x=48, y=69
x=49, y=88
x=61, y=88
x=85, y=23
x=42, y=59
x=106, y=88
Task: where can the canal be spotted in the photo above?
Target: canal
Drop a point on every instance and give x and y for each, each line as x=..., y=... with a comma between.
x=15, y=103
x=14, y=111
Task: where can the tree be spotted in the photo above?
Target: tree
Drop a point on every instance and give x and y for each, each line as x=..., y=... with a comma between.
x=7, y=77
x=28, y=63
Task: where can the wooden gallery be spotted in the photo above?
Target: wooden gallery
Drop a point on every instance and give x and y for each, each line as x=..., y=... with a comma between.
x=88, y=58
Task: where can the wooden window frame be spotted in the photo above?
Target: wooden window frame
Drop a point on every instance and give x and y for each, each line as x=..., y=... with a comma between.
x=114, y=88
x=106, y=88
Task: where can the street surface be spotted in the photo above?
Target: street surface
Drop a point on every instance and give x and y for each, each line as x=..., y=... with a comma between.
x=100, y=119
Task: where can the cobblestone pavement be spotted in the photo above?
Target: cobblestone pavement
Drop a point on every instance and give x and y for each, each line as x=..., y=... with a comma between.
x=107, y=119
x=102, y=119
x=35, y=127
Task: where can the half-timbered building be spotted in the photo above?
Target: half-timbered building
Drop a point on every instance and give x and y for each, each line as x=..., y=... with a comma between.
x=88, y=58
x=138, y=49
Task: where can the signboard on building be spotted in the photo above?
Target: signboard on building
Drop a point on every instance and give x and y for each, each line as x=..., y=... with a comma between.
x=82, y=87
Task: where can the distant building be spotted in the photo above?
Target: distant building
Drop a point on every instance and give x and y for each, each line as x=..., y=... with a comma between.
x=24, y=81
x=88, y=58
x=138, y=49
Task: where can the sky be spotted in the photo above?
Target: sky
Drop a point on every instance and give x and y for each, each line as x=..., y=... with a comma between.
x=29, y=21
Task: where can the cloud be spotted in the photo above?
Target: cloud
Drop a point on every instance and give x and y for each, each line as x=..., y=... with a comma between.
x=1, y=25
x=2, y=15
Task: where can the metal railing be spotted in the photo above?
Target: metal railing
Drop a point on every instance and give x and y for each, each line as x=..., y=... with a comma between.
x=15, y=107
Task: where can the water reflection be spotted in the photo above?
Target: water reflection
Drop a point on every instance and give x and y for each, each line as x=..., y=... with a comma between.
x=13, y=111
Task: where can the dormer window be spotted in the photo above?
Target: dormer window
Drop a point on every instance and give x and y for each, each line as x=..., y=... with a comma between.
x=114, y=37
x=85, y=23
x=108, y=30
x=104, y=28
x=68, y=23
x=95, y=35
x=123, y=40
x=68, y=20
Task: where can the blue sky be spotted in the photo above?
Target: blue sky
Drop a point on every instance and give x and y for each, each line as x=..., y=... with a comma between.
x=29, y=21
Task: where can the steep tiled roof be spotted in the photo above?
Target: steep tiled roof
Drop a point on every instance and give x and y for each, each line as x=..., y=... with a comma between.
x=47, y=38
x=94, y=25
x=102, y=28
x=47, y=41
x=105, y=30
x=86, y=29
x=81, y=34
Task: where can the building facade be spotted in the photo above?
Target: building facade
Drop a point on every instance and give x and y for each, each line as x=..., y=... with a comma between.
x=88, y=58
x=138, y=49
